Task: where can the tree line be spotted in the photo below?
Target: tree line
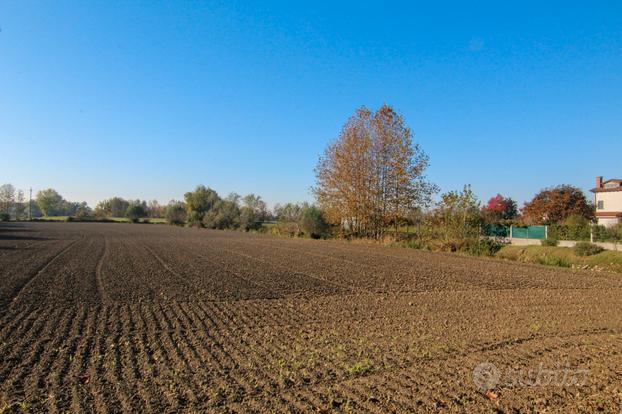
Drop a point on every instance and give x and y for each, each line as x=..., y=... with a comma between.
x=13, y=204
x=202, y=207
x=370, y=182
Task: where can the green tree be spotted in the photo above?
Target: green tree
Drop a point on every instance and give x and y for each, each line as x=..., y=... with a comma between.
x=457, y=216
x=224, y=215
x=289, y=212
x=252, y=212
x=48, y=201
x=83, y=211
x=112, y=207
x=175, y=213
x=136, y=210
x=288, y=217
x=313, y=223
x=7, y=198
x=199, y=202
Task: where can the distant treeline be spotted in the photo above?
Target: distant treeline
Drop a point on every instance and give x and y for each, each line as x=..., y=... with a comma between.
x=370, y=183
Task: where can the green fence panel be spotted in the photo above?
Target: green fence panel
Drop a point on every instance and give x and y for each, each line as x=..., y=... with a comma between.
x=529, y=232
x=496, y=230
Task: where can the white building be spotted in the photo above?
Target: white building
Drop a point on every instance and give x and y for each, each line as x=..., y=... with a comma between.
x=608, y=201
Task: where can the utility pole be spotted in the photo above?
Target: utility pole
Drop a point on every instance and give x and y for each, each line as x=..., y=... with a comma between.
x=30, y=205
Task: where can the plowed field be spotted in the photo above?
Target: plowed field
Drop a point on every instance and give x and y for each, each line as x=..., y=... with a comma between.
x=153, y=318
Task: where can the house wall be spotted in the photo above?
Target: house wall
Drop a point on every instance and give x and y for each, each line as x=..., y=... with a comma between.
x=608, y=221
x=612, y=200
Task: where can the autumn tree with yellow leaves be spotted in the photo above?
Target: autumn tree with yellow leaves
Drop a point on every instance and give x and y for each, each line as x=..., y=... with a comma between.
x=372, y=176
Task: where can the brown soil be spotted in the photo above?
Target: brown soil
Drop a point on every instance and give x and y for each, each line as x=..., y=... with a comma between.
x=153, y=318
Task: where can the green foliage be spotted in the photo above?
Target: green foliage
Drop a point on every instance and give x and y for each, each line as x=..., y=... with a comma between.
x=483, y=247
x=175, y=213
x=576, y=220
x=4, y=217
x=252, y=213
x=608, y=234
x=457, y=216
x=360, y=368
x=609, y=260
x=199, y=202
x=83, y=213
x=290, y=212
x=135, y=211
x=545, y=255
x=7, y=198
x=112, y=207
x=284, y=228
x=288, y=217
x=587, y=249
x=248, y=220
x=554, y=261
x=313, y=223
x=549, y=242
x=48, y=201
x=417, y=243
x=570, y=231
x=224, y=215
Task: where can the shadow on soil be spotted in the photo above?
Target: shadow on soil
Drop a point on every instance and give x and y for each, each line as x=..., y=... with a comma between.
x=16, y=232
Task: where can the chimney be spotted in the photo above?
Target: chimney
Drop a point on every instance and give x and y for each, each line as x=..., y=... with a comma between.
x=599, y=182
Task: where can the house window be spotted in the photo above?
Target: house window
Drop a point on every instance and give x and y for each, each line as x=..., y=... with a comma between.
x=601, y=205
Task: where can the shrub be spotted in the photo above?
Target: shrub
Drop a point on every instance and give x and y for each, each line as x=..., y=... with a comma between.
x=286, y=228
x=418, y=243
x=224, y=215
x=549, y=242
x=135, y=212
x=483, y=247
x=587, y=249
x=312, y=222
x=175, y=214
x=248, y=219
x=602, y=233
x=194, y=219
x=81, y=215
x=575, y=230
x=576, y=220
x=551, y=260
x=4, y=217
x=448, y=245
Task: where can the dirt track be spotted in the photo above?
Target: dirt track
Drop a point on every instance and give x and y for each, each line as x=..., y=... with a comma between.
x=152, y=318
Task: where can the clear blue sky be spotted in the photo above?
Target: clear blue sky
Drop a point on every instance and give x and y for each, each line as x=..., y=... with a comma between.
x=147, y=99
